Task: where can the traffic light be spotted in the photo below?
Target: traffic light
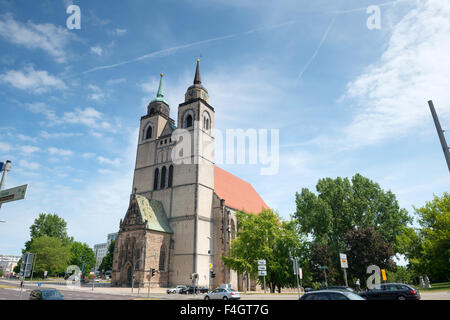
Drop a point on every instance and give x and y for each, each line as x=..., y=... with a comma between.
x=153, y=272
x=213, y=274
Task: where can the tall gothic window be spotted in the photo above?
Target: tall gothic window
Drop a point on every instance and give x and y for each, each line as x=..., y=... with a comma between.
x=170, y=176
x=162, y=258
x=148, y=134
x=189, y=121
x=163, y=178
x=155, y=181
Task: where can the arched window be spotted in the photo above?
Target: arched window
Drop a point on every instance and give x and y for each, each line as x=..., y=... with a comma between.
x=149, y=132
x=163, y=178
x=155, y=181
x=162, y=258
x=170, y=176
x=188, y=121
x=206, y=121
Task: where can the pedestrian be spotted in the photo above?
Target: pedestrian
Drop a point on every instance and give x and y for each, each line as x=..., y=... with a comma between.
x=358, y=286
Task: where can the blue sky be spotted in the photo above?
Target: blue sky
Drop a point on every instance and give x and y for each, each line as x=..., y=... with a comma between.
x=345, y=99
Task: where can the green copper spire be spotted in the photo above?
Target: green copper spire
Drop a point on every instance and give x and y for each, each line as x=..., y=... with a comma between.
x=159, y=94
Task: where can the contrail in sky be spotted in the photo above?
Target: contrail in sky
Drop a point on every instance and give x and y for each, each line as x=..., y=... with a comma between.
x=324, y=37
x=176, y=48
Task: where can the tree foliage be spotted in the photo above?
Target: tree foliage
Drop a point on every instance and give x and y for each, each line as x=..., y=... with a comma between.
x=264, y=236
x=50, y=225
x=107, y=261
x=428, y=248
x=81, y=253
x=51, y=255
x=342, y=205
x=367, y=247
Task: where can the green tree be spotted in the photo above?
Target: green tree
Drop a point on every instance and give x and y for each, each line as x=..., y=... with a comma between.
x=342, y=205
x=367, y=247
x=107, y=261
x=428, y=248
x=50, y=225
x=264, y=236
x=81, y=253
x=52, y=255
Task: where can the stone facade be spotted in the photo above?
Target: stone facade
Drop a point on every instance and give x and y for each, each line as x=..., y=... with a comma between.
x=177, y=222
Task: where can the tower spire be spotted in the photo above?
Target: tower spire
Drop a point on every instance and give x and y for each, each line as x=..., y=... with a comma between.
x=197, y=79
x=160, y=91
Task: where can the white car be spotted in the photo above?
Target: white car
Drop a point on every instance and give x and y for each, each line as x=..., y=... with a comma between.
x=177, y=289
x=223, y=294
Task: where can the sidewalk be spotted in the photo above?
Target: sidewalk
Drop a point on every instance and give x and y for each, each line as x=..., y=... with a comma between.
x=103, y=290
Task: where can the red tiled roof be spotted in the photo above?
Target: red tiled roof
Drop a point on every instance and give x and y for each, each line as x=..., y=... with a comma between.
x=237, y=193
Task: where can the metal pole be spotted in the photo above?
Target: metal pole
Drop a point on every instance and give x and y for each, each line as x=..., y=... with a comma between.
x=6, y=168
x=345, y=277
x=24, y=274
x=34, y=264
x=264, y=284
x=325, y=273
x=297, y=276
x=440, y=133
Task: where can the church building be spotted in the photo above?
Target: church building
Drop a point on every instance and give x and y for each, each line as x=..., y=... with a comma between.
x=181, y=217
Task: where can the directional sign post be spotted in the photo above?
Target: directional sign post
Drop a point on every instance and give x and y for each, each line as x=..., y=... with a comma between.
x=263, y=271
x=344, y=266
x=13, y=194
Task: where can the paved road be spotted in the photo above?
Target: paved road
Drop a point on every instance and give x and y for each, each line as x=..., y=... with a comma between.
x=9, y=291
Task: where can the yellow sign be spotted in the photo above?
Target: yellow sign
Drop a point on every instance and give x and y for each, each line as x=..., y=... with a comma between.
x=210, y=265
x=383, y=274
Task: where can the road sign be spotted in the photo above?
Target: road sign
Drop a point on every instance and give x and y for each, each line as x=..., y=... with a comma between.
x=344, y=262
x=13, y=194
x=262, y=268
x=1, y=166
x=300, y=273
x=383, y=274
x=39, y=284
x=323, y=267
x=261, y=262
x=210, y=265
x=262, y=273
x=27, y=264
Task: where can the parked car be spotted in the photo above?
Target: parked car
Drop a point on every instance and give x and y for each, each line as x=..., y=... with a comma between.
x=46, y=294
x=331, y=295
x=223, y=294
x=177, y=289
x=194, y=289
x=340, y=288
x=392, y=291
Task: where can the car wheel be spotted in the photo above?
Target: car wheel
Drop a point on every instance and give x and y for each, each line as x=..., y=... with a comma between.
x=401, y=298
x=206, y=298
x=225, y=298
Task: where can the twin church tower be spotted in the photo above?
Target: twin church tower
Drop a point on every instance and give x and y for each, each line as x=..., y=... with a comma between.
x=181, y=218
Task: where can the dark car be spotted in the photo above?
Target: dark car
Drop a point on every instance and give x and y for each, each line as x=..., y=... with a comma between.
x=194, y=289
x=392, y=291
x=340, y=288
x=46, y=294
x=331, y=295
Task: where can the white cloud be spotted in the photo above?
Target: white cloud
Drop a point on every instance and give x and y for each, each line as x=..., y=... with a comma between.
x=393, y=93
x=4, y=147
x=58, y=135
x=97, y=94
x=37, y=81
x=120, y=32
x=26, y=138
x=42, y=108
x=60, y=152
x=89, y=117
x=115, y=162
x=88, y=155
x=48, y=37
x=97, y=50
x=116, y=81
x=28, y=149
x=29, y=165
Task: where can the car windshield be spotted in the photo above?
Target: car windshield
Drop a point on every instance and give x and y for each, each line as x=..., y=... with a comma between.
x=232, y=290
x=354, y=296
x=51, y=294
